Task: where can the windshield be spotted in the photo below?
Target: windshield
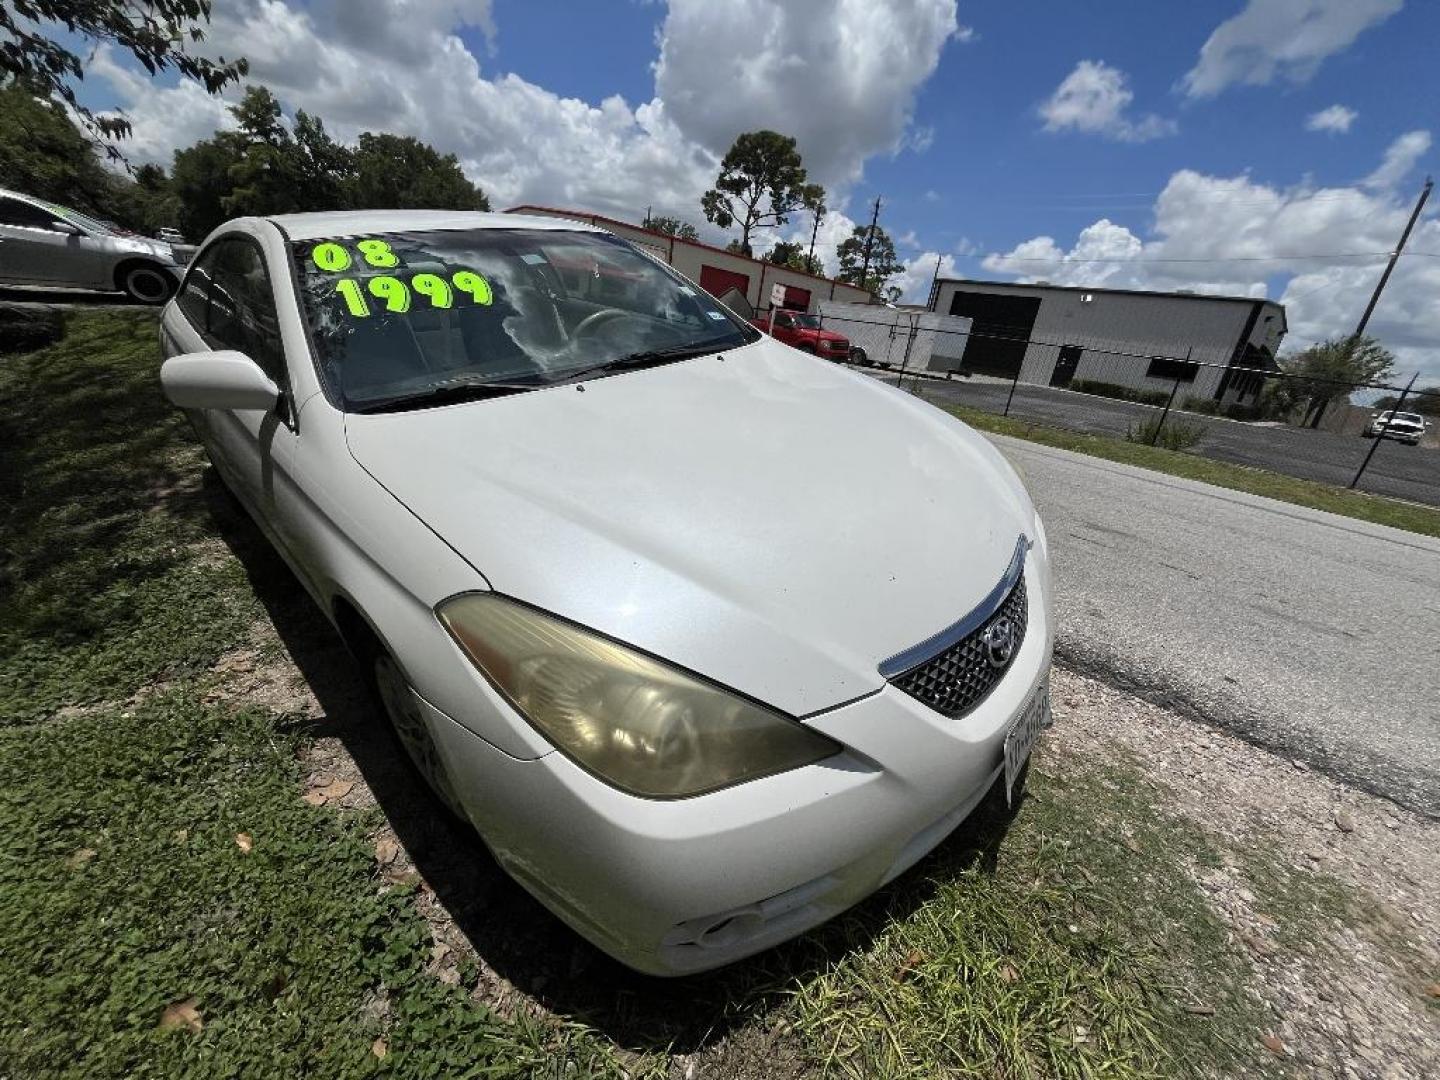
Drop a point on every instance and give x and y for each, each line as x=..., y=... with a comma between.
x=808, y=322
x=1402, y=418
x=86, y=222
x=392, y=314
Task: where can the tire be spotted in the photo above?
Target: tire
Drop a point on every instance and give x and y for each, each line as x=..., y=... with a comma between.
x=146, y=283
x=397, y=701
x=859, y=356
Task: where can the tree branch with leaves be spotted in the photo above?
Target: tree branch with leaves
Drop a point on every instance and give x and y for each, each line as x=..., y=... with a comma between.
x=155, y=32
x=883, y=264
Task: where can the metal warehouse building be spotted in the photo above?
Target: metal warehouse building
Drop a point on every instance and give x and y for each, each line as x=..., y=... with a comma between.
x=718, y=271
x=1055, y=334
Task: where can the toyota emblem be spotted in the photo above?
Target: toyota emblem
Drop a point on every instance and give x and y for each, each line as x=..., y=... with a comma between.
x=999, y=641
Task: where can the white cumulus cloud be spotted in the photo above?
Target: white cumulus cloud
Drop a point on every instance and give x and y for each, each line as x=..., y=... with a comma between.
x=1287, y=38
x=1095, y=98
x=841, y=77
x=1234, y=236
x=1400, y=158
x=1336, y=120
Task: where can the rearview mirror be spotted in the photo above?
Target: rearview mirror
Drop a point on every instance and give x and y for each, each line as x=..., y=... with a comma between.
x=217, y=380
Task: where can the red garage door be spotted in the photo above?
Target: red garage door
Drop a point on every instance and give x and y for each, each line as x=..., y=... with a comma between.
x=797, y=299
x=718, y=282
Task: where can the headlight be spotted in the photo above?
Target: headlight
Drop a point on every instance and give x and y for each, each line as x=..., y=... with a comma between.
x=636, y=723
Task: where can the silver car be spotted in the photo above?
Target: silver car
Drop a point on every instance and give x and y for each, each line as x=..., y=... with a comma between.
x=48, y=245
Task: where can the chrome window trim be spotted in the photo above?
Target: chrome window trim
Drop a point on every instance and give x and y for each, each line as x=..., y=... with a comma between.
x=936, y=644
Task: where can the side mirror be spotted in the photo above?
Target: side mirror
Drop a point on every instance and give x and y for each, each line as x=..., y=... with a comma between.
x=217, y=380
x=65, y=227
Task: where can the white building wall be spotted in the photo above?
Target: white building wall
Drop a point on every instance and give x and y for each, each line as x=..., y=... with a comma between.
x=1112, y=327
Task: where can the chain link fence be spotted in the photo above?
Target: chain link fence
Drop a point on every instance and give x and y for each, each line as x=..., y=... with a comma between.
x=1261, y=417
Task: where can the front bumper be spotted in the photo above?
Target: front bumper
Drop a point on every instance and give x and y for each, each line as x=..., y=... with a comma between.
x=672, y=887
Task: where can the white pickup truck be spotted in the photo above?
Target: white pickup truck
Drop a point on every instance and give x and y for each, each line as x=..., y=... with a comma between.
x=1402, y=427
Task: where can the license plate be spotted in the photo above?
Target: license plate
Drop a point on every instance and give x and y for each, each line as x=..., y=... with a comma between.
x=1021, y=737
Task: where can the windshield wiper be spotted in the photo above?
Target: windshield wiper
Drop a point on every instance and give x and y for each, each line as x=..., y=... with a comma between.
x=447, y=392
x=647, y=358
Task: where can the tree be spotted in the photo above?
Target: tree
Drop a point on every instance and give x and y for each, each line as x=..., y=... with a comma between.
x=324, y=166
x=788, y=253
x=673, y=226
x=43, y=153
x=399, y=172
x=201, y=180
x=155, y=32
x=883, y=265
x=1327, y=371
x=263, y=167
x=267, y=176
x=1425, y=401
x=761, y=181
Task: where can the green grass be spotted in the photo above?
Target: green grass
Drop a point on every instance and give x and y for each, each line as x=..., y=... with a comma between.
x=122, y=888
x=100, y=589
x=1067, y=941
x=1317, y=496
x=1078, y=947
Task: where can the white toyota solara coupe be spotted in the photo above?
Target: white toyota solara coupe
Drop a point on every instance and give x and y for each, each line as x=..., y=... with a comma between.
x=707, y=637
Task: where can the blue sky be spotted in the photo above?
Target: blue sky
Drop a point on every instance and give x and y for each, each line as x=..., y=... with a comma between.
x=1000, y=176
x=1119, y=142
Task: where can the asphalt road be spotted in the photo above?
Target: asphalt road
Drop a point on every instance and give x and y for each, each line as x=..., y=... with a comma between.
x=1315, y=635
x=1397, y=470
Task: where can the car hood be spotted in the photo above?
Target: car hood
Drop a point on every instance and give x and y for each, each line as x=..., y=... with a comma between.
x=763, y=518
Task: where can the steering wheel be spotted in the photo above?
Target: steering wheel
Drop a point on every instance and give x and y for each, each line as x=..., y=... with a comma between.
x=603, y=317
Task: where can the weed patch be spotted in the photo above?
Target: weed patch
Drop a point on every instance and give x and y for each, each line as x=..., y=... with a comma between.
x=1173, y=434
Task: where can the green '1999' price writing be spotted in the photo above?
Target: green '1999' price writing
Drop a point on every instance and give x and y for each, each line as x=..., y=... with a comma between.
x=396, y=295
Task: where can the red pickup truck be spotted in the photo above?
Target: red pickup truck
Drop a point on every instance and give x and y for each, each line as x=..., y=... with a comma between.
x=802, y=331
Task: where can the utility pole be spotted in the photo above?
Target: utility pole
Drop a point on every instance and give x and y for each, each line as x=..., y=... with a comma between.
x=1394, y=257
x=647, y=218
x=934, y=280
x=819, y=211
x=869, y=239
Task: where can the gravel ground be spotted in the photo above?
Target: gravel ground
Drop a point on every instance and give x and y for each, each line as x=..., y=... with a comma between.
x=1359, y=998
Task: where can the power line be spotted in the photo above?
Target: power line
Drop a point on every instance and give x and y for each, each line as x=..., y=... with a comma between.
x=1211, y=259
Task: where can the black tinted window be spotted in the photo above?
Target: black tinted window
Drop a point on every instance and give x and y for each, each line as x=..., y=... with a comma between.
x=228, y=298
x=15, y=212
x=194, y=298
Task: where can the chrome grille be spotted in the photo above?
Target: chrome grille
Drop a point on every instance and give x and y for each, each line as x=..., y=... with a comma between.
x=957, y=679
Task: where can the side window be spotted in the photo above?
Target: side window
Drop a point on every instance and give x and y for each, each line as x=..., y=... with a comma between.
x=16, y=212
x=229, y=299
x=194, y=298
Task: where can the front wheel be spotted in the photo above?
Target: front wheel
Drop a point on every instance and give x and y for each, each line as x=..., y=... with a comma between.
x=858, y=356
x=403, y=711
x=147, y=283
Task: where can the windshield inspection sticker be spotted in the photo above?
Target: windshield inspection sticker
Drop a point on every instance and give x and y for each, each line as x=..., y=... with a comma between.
x=717, y=316
x=396, y=295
